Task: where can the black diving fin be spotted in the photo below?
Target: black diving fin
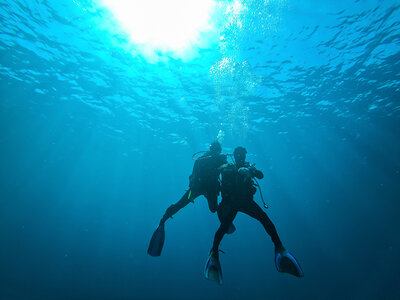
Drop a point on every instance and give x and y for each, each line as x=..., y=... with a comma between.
x=287, y=263
x=157, y=242
x=213, y=269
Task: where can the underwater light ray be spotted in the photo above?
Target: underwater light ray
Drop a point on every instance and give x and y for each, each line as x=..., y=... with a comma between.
x=167, y=26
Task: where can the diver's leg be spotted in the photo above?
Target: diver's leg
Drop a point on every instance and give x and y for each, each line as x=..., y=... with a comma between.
x=211, y=193
x=227, y=214
x=212, y=199
x=231, y=228
x=253, y=210
x=188, y=197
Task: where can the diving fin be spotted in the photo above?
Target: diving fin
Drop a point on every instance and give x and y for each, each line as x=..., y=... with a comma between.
x=213, y=270
x=157, y=242
x=287, y=263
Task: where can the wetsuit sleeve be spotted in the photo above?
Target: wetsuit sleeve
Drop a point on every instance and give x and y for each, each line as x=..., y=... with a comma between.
x=256, y=173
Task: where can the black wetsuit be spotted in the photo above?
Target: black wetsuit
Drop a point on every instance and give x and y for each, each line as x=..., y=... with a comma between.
x=237, y=191
x=203, y=181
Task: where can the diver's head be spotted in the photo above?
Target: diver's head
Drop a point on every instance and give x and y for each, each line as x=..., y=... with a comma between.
x=240, y=155
x=215, y=148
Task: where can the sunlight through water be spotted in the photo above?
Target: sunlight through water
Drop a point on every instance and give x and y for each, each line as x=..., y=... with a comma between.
x=175, y=27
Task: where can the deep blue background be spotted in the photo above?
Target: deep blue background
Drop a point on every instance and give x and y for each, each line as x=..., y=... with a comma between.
x=97, y=142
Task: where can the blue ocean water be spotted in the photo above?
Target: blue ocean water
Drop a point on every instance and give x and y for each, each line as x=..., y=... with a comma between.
x=96, y=140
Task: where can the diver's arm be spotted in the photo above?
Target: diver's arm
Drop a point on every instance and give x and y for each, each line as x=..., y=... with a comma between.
x=256, y=173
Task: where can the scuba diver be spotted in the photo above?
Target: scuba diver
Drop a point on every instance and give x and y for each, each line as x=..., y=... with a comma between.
x=203, y=181
x=238, y=189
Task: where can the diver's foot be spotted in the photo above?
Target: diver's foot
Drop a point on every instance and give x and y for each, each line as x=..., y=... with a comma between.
x=214, y=253
x=279, y=248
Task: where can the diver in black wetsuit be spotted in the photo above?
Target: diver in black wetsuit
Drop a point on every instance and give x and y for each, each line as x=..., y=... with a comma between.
x=203, y=181
x=237, y=189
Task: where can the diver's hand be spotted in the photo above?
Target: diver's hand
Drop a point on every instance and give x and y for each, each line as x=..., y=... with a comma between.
x=253, y=170
x=245, y=173
x=256, y=173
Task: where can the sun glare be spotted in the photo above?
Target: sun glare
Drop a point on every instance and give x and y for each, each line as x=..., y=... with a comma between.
x=174, y=26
